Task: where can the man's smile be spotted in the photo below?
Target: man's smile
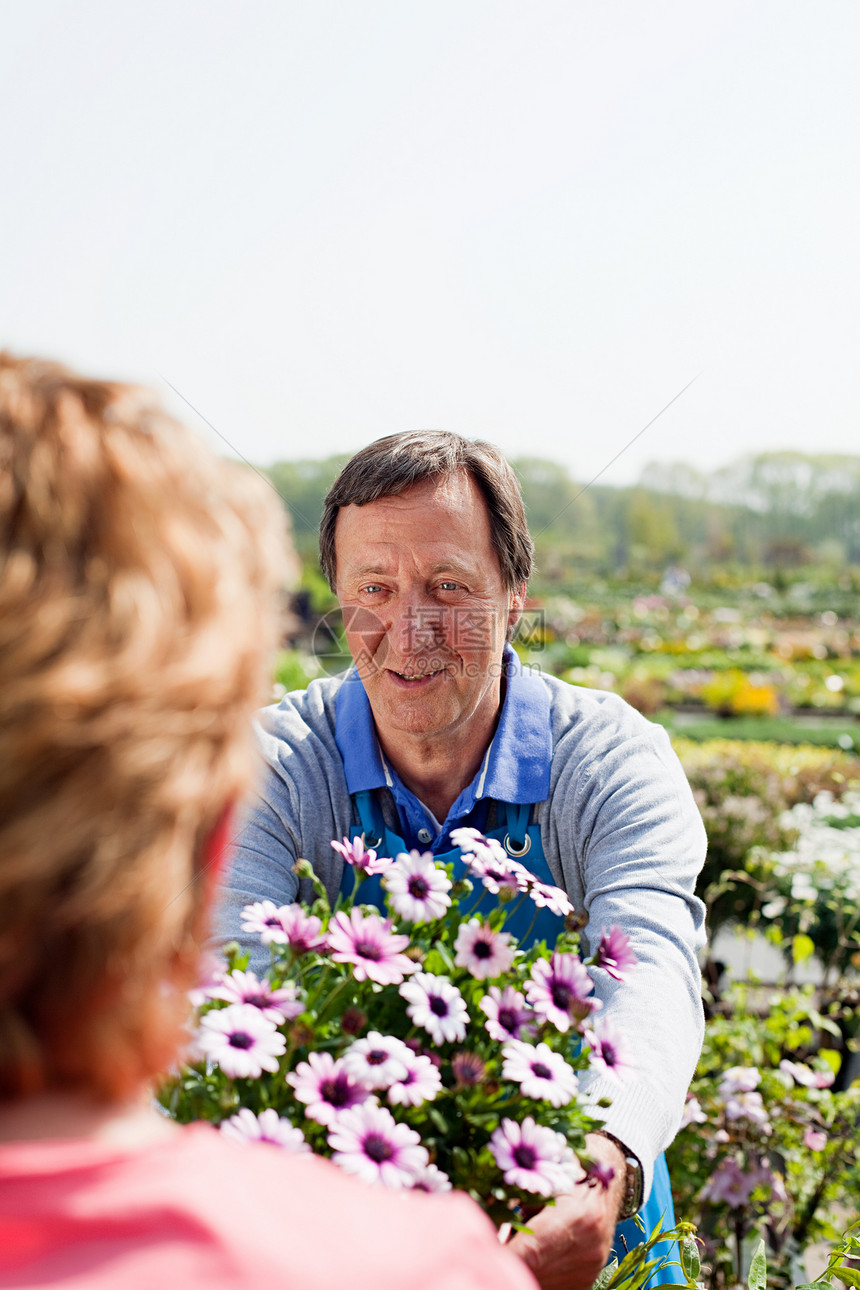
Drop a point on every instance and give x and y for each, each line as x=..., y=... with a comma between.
x=414, y=680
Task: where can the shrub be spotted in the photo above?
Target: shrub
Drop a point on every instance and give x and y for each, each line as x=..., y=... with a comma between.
x=744, y=791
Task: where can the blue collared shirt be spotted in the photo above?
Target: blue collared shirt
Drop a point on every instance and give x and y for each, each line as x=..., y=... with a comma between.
x=516, y=765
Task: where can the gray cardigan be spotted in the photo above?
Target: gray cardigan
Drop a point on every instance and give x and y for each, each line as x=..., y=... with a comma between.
x=620, y=832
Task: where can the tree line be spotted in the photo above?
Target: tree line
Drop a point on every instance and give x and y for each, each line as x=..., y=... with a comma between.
x=776, y=512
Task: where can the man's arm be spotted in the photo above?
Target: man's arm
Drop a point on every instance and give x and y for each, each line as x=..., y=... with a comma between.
x=622, y=832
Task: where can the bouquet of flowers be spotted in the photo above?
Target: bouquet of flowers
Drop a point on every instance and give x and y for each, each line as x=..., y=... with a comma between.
x=413, y=1041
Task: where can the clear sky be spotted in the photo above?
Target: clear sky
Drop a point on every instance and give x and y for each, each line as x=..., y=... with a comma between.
x=328, y=220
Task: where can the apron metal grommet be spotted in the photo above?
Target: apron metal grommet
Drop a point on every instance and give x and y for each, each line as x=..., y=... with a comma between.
x=512, y=851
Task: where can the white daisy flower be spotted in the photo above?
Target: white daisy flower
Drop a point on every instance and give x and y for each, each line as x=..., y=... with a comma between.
x=437, y=1006
x=540, y=1072
x=417, y=888
x=377, y=1061
x=241, y=1041
x=482, y=951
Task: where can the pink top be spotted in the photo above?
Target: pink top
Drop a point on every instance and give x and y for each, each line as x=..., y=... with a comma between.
x=199, y=1210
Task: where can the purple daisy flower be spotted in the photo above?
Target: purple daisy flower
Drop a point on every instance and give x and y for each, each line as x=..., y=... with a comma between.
x=368, y=943
x=614, y=953
x=464, y=838
x=533, y=1157
x=377, y=1061
x=552, y=898
x=326, y=1087
x=355, y=853
x=263, y=918
x=268, y=1126
x=421, y=1082
x=482, y=951
x=432, y=1179
x=417, y=887
x=499, y=873
x=368, y=1142
x=609, y=1053
x=559, y=990
x=488, y=860
x=508, y=1016
x=437, y=1006
x=468, y=1069
x=241, y=1041
x=540, y=1072
x=244, y=987
x=303, y=931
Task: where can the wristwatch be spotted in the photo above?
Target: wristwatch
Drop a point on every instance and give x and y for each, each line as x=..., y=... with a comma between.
x=634, y=1184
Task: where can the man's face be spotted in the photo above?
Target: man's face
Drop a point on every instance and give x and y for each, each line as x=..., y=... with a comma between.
x=425, y=608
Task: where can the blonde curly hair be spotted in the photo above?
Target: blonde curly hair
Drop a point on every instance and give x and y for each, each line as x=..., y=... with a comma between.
x=139, y=580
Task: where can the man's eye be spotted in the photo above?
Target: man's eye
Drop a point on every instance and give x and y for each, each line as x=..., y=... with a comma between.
x=371, y=588
x=449, y=586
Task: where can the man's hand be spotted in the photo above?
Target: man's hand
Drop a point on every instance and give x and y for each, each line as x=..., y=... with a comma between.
x=571, y=1240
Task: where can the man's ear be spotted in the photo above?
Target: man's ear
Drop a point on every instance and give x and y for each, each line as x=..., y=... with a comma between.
x=515, y=613
x=215, y=850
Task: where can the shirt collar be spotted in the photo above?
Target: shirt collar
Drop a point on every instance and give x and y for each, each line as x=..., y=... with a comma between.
x=515, y=769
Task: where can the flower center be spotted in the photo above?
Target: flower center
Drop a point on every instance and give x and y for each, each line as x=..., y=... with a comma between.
x=482, y=950
x=438, y=1006
x=257, y=1000
x=525, y=1156
x=509, y=1020
x=377, y=1057
x=542, y=1072
x=608, y=1053
x=335, y=1091
x=561, y=995
x=240, y=1040
x=377, y=1148
x=368, y=950
x=419, y=887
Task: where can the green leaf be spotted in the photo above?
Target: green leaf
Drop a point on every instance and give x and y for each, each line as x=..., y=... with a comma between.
x=757, y=1279
x=635, y=1280
x=690, y=1261
x=851, y=1276
x=438, y=1119
x=802, y=947
x=606, y=1275
x=832, y=1057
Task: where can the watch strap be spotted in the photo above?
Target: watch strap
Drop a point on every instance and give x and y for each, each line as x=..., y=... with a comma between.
x=634, y=1181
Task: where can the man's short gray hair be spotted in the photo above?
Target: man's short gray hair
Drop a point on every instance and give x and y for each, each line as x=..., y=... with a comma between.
x=389, y=466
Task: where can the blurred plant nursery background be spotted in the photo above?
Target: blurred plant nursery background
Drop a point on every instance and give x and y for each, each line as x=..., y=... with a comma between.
x=724, y=607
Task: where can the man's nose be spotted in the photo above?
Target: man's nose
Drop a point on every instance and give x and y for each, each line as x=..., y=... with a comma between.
x=416, y=626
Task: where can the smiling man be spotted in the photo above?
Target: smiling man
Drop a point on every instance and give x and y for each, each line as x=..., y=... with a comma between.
x=436, y=727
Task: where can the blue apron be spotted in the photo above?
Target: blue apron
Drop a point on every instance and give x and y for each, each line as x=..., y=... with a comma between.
x=522, y=841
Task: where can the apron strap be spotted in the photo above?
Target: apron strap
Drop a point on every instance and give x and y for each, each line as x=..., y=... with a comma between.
x=517, y=823
x=370, y=818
